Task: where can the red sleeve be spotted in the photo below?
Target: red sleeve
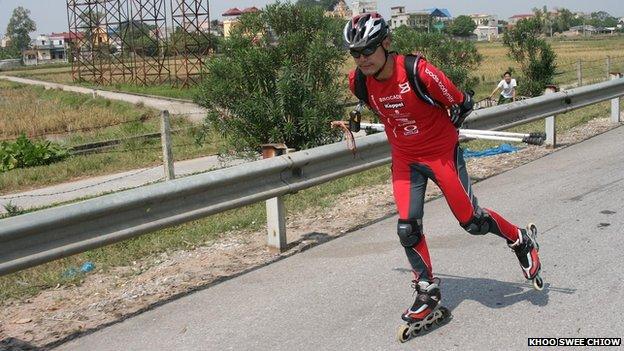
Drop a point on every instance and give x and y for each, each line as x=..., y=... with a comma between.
x=352, y=81
x=438, y=85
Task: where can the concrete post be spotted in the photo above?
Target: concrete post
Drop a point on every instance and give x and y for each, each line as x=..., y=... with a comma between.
x=615, y=102
x=551, y=122
x=165, y=137
x=276, y=213
x=579, y=72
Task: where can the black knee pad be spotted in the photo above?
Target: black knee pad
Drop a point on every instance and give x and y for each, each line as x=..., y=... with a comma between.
x=409, y=231
x=480, y=224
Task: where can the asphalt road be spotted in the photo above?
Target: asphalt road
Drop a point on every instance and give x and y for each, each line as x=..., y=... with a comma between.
x=348, y=294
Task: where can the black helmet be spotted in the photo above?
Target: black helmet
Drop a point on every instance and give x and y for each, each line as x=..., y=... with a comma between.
x=365, y=30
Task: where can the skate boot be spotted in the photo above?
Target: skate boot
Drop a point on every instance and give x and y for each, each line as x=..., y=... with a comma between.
x=526, y=249
x=425, y=312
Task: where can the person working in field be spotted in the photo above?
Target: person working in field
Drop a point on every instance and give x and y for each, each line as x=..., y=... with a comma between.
x=507, y=87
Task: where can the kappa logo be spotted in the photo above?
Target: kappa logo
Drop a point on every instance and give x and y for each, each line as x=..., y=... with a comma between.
x=405, y=87
x=410, y=130
x=394, y=105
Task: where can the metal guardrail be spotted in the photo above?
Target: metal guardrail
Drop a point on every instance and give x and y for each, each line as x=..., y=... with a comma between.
x=35, y=238
x=520, y=112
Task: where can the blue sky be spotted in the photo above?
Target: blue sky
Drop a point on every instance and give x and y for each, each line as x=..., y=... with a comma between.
x=50, y=15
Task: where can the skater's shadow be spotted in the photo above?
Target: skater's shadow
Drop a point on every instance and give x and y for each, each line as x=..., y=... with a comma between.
x=491, y=292
x=14, y=344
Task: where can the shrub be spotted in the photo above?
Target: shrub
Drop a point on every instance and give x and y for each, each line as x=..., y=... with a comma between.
x=534, y=54
x=277, y=79
x=455, y=58
x=24, y=153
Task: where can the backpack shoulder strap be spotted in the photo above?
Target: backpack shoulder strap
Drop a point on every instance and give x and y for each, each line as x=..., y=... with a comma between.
x=411, y=68
x=361, y=92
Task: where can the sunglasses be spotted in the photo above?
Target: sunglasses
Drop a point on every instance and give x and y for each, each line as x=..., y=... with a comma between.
x=366, y=51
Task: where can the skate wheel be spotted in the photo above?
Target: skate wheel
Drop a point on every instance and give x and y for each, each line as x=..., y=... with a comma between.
x=538, y=283
x=403, y=333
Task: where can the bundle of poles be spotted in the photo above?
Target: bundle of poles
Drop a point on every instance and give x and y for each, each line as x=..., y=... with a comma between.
x=533, y=138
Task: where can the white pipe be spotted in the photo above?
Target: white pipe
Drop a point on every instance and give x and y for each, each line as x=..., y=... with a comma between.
x=374, y=126
x=467, y=133
x=490, y=137
x=493, y=132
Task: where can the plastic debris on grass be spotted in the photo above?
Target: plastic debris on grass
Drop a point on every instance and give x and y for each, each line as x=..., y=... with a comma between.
x=502, y=149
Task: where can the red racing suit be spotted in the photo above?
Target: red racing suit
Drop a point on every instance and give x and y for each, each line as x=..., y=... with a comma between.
x=424, y=146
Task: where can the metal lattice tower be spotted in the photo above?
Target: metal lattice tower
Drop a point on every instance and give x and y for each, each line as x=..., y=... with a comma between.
x=190, y=43
x=149, y=41
x=126, y=41
x=85, y=24
x=120, y=68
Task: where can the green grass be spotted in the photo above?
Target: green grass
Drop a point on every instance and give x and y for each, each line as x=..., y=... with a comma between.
x=130, y=155
x=35, y=111
x=158, y=90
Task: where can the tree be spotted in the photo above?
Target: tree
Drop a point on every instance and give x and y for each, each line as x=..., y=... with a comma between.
x=325, y=4
x=19, y=27
x=456, y=58
x=139, y=38
x=462, y=26
x=602, y=19
x=564, y=20
x=278, y=79
x=534, y=55
x=9, y=53
x=545, y=19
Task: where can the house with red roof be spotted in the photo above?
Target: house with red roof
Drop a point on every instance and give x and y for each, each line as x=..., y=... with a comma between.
x=513, y=20
x=231, y=17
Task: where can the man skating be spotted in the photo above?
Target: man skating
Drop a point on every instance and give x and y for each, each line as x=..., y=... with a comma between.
x=421, y=116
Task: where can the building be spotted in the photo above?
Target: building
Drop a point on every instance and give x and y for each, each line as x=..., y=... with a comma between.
x=231, y=18
x=487, y=27
x=583, y=30
x=46, y=49
x=364, y=6
x=513, y=20
x=486, y=33
x=214, y=27
x=415, y=19
x=341, y=10
x=426, y=20
x=5, y=42
x=484, y=20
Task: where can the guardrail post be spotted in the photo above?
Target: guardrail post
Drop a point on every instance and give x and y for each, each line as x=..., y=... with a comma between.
x=551, y=122
x=165, y=137
x=579, y=72
x=276, y=213
x=608, y=67
x=615, y=102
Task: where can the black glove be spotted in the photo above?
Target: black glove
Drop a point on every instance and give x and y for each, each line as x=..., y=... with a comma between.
x=459, y=112
x=355, y=117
